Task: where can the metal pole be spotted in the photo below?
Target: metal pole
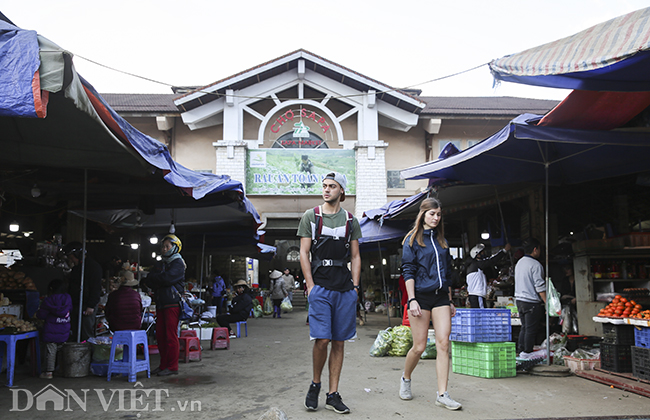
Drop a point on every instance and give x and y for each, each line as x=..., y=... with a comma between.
x=202, y=263
x=548, y=279
x=83, y=257
x=383, y=280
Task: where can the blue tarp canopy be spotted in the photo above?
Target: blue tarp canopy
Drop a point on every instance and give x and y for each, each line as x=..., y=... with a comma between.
x=611, y=56
x=521, y=152
x=54, y=125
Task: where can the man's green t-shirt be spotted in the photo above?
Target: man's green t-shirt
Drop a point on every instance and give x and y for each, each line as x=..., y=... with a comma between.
x=332, y=278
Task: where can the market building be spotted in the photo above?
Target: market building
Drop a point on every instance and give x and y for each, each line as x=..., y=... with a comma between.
x=281, y=126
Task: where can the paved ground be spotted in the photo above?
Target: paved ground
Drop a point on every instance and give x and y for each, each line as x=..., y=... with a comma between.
x=272, y=367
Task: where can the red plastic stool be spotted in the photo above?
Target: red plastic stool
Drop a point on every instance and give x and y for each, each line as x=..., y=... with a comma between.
x=188, y=333
x=189, y=348
x=220, y=339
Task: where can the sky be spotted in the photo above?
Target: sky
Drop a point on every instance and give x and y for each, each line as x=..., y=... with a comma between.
x=407, y=43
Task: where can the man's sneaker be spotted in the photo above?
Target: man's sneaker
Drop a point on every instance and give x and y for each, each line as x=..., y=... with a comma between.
x=524, y=355
x=405, y=389
x=311, y=402
x=445, y=400
x=334, y=402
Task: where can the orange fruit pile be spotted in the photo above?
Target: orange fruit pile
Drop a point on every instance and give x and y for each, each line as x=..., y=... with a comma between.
x=622, y=308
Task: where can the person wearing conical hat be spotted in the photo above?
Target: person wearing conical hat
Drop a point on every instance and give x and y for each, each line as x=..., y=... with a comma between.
x=240, y=308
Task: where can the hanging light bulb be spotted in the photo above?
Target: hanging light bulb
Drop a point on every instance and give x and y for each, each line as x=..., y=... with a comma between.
x=383, y=261
x=36, y=192
x=153, y=240
x=14, y=227
x=153, y=255
x=158, y=258
x=485, y=235
x=134, y=246
x=172, y=228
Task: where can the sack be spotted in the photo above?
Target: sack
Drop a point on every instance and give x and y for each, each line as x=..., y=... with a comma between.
x=553, y=305
x=430, y=352
x=402, y=341
x=382, y=343
x=186, y=311
x=268, y=306
x=286, y=305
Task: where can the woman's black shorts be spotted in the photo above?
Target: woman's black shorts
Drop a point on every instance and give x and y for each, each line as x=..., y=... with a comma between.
x=433, y=299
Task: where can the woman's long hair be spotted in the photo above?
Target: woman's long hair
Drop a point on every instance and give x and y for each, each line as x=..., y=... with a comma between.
x=415, y=234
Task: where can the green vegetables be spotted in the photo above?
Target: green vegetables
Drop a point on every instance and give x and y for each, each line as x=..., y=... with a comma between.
x=402, y=341
x=397, y=341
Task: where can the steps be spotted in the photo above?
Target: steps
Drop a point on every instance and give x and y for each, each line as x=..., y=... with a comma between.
x=299, y=300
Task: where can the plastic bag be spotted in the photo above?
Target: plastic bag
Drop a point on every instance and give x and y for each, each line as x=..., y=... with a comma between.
x=402, y=341
x=286, y=305
x=557, y=341
x=569, y=320
x=268, y=306
x=430, y=352
x=558, y=356
x=257, y=311
x=553, y=305
x=382, y=343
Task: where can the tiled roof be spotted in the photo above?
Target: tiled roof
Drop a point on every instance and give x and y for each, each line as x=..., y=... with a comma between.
x=437, y=105
x=488, y=106
x=141, y=102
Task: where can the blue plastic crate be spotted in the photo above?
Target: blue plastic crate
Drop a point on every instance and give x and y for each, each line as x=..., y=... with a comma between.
x=481, y=325
x=642, y=337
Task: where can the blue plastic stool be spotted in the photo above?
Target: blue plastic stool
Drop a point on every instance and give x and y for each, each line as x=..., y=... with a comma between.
x=239, y=328
x=9, y=341
x=129, y=364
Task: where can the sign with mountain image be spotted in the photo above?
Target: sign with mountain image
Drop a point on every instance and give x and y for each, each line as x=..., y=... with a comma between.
x=297, y=171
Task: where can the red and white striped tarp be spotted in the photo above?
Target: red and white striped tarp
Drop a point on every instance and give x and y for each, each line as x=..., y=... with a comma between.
x=599, y=46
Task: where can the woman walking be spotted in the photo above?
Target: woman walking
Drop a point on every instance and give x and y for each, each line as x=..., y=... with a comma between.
x=425, y=265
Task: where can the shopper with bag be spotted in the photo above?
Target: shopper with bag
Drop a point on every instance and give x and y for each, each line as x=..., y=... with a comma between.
x=278, y=292
x=167, y=280
x=530, y=296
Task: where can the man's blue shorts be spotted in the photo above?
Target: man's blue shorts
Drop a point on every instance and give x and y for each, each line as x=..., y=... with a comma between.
x=332, y=314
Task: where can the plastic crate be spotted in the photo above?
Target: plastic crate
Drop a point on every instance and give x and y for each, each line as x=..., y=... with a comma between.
x=485, y=360
x=616, y=357
x=622, y=334
x=642, y=337
x=481, y=325
x=641, y=362
x=581, y=364
x=575, y=342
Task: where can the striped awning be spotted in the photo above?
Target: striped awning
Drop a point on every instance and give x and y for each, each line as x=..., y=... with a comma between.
x=612, y=56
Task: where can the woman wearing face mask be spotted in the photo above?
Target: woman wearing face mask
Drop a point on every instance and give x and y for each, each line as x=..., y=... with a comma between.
x=426, y=265
x=167, y=280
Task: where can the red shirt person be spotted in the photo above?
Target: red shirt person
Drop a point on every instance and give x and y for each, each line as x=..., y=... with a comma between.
x=124, y=306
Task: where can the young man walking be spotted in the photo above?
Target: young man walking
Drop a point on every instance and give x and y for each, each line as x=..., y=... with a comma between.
x=330, y=235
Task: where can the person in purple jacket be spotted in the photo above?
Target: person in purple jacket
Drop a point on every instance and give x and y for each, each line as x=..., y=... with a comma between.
x=55, y=310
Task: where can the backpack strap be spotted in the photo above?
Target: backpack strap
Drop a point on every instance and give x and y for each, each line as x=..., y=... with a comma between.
x=318, y=215
x=348, y=227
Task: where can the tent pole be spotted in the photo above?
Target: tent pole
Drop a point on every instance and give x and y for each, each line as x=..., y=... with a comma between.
x=83, y=257
x=202, y=263
x=503, y=224
x=548, y=278
x=383, y=281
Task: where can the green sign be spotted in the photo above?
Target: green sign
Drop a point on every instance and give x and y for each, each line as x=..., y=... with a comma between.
x=297, y=171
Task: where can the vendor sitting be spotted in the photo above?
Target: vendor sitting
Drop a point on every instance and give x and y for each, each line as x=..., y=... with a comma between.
x=124, y=306
x=240, y=309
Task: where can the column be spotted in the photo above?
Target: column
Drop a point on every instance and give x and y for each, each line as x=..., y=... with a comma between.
x=231, y=159
x=371, y=176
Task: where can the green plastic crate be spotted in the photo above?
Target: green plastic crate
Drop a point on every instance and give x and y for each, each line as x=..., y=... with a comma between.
x=485, y=360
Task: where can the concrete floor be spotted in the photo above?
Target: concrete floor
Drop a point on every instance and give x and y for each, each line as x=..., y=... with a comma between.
x=272, y=367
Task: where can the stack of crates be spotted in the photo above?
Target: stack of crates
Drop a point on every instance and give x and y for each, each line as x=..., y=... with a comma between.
x=480, y=343
x=616, y=348
x=641, y=353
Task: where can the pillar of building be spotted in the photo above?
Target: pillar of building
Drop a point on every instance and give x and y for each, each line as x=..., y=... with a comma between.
x=231, y=159
x=371, y=176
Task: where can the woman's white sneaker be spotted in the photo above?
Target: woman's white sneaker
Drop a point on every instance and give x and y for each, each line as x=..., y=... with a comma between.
x=445, y=400
x=405, y=389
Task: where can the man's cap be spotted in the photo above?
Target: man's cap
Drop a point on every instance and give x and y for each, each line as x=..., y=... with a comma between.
x=476, y=250
x=340, y=179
